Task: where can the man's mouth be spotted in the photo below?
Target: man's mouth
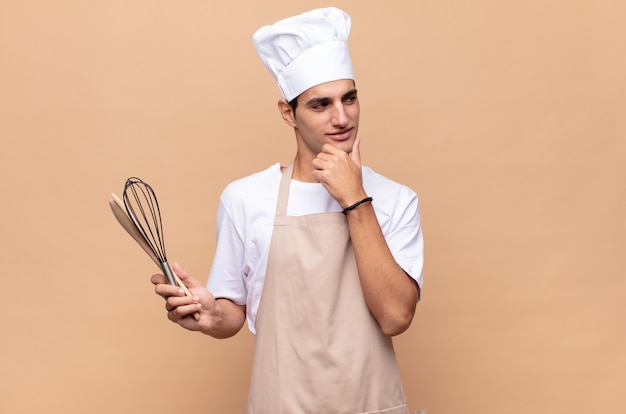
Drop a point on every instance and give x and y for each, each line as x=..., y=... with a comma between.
x=341, y=135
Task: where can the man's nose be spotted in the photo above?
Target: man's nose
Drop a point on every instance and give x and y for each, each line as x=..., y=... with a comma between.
x=339, y=116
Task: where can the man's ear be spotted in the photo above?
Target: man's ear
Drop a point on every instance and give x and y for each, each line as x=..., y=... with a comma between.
x=287, y=113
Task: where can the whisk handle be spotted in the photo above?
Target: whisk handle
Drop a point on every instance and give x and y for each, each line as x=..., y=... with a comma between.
x=169, y=274
x=173, y=279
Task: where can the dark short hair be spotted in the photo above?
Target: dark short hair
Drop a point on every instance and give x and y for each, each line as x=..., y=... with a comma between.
x=294, y=104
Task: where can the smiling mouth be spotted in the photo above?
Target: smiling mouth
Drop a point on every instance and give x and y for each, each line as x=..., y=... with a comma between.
x=341, y=135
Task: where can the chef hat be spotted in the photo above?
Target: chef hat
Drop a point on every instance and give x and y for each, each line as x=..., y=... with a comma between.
x=306, y=50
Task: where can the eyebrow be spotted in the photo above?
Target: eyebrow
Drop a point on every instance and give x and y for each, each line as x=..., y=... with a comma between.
x=349, y=94
x=325, y=100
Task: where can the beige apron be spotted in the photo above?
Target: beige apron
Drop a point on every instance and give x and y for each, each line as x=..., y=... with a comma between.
x=318, y=348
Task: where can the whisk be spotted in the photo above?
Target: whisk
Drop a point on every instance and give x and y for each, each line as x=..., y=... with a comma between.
x=140, y=215
x=143, y=209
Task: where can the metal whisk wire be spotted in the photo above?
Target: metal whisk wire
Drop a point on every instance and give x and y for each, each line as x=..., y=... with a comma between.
x=143, y=209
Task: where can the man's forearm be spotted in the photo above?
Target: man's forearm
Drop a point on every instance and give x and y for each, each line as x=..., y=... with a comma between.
x=389, y=292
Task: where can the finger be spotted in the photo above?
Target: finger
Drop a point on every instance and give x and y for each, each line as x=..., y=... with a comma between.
x=158, y=279
x=324, y=156
x=181, y=312
x=163, y=288
x=355, y=155
x=320, y=161
x=174, y=302
x=166, y=291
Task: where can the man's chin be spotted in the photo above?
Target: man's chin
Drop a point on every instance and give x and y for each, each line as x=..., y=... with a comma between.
x=345, y=146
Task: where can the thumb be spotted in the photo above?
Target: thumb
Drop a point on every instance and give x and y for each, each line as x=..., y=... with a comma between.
x=184, y=276
x=355, y=155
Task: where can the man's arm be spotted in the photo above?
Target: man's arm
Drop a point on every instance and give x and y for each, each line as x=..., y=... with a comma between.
x=219, y=318
x=389, y=292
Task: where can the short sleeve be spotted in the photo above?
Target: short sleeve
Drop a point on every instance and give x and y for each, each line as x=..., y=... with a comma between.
x=405, y=239
x=226, y=279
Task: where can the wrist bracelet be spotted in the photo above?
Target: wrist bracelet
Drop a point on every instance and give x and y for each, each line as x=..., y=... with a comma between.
x=355, y=205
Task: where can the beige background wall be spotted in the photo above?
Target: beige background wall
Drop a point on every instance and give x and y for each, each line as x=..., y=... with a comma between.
x=506, y=117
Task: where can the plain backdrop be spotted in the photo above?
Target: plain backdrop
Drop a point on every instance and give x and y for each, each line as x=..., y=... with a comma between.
x=507, y=118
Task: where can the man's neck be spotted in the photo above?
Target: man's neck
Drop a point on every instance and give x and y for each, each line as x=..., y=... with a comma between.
x=303, y=169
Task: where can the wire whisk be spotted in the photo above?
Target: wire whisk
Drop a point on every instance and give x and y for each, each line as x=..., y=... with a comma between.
x=139, y=214
x=143, y=209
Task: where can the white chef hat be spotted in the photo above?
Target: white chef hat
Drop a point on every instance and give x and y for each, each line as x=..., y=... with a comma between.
x=306, y=50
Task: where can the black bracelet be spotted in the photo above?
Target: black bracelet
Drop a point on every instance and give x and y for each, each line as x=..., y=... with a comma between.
x=355, y=205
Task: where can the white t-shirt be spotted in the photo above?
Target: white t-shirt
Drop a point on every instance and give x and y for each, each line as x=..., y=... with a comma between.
x=245, y=220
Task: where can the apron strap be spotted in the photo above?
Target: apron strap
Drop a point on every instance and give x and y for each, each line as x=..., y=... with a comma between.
x=283, y=191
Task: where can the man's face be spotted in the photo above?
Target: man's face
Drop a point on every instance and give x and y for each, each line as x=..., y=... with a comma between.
x=327, y=113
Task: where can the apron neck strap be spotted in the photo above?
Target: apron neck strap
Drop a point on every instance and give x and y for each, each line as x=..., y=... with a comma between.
x=283, y=191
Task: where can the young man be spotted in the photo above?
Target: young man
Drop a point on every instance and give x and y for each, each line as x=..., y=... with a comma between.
x=323, y=256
